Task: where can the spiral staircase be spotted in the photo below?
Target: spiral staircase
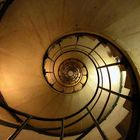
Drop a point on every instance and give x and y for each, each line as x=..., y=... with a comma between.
x=70, y=81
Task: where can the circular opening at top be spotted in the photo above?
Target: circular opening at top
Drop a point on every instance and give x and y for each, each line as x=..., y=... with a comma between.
x=70, y=73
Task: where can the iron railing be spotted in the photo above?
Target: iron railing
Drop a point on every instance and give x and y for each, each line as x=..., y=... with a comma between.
x=4, y=4
x=88, y=52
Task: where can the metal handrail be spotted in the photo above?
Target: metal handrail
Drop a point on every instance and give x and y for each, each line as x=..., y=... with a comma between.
x=62, y=135
x=4, y=7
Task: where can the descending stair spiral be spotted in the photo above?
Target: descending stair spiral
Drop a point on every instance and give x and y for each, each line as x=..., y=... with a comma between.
x=93, y=68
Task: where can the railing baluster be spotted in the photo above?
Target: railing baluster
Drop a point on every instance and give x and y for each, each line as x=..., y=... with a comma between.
x=95, y=47
x=118, y=94
x=62, y=130
x=51, y=59
x=14, y=135
x=97, y=125
x=109, y=65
